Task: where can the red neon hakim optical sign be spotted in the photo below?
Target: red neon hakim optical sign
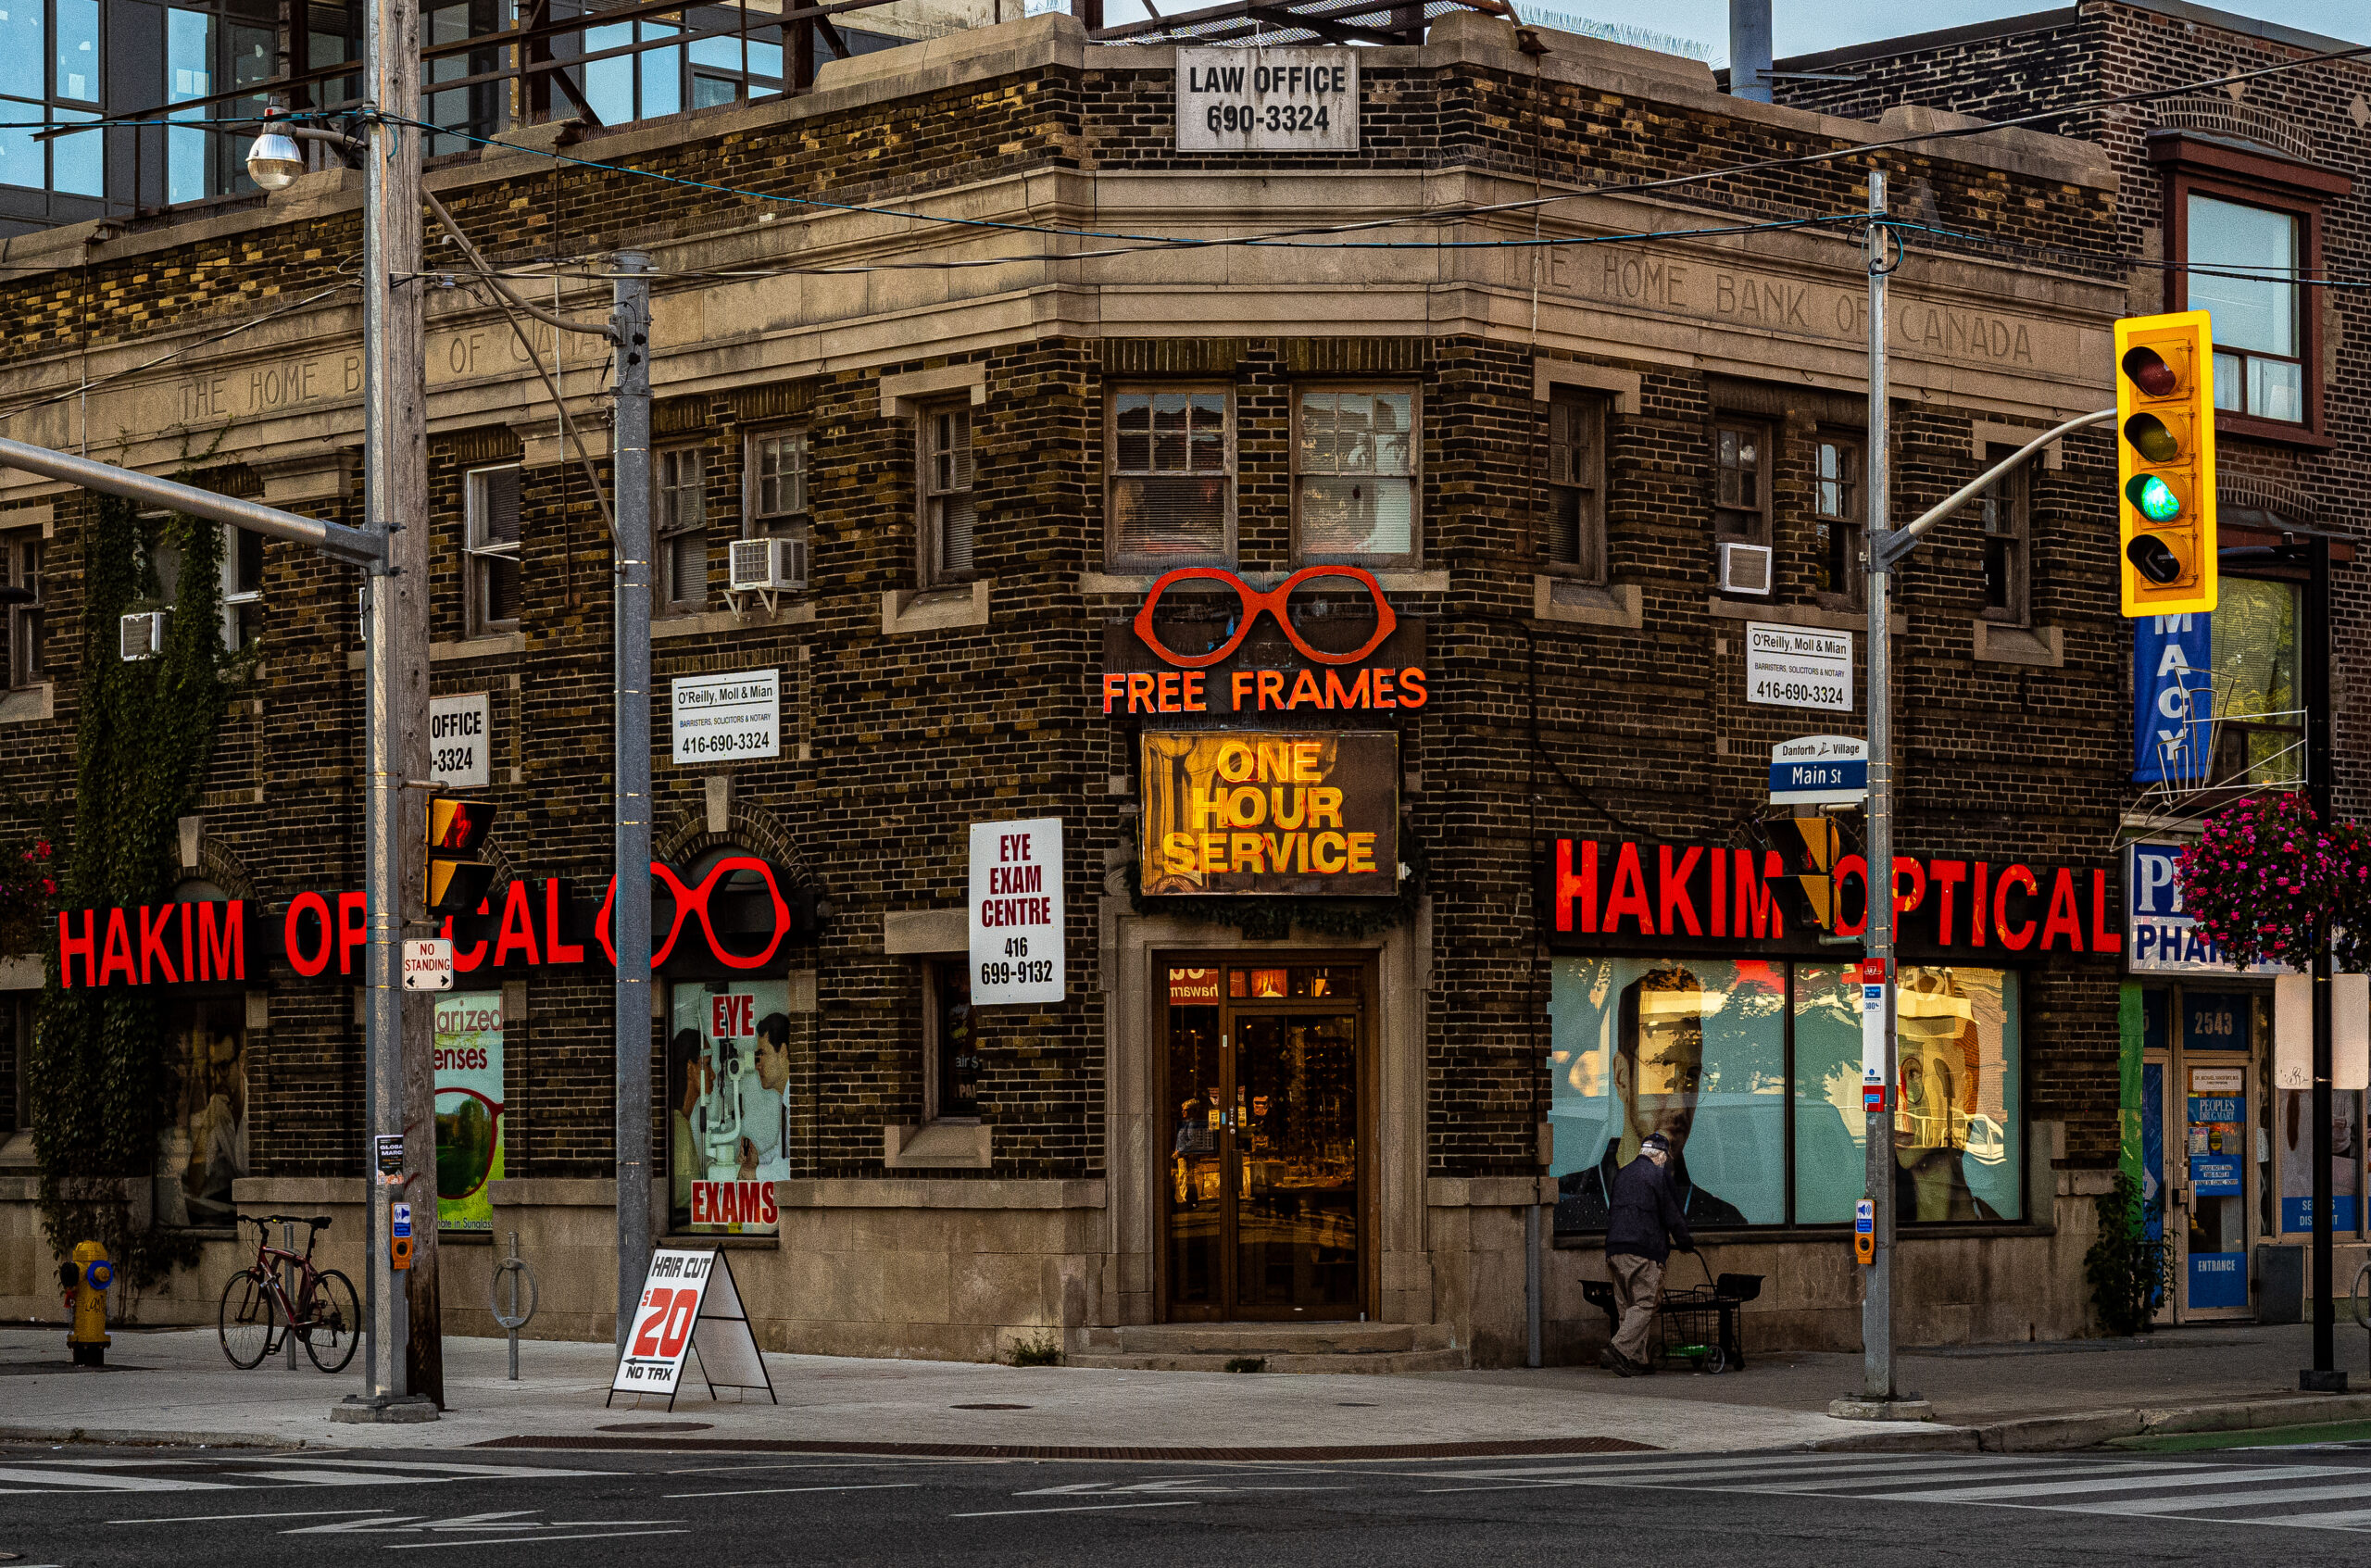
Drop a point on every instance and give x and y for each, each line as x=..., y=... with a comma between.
x=1182, y=689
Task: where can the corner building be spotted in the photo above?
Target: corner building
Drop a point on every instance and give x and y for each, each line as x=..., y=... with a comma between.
x=1416, y=856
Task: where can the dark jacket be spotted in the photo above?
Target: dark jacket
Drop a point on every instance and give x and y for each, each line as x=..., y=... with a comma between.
x=1646, y=1219
x=1585, y=1198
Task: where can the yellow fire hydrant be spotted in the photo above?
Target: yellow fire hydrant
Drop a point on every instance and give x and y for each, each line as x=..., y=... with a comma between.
x=93, y=1274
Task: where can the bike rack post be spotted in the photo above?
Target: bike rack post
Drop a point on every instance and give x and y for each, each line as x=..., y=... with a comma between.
x=2360, y=1297
x=288, y=1284
x=514, y=1270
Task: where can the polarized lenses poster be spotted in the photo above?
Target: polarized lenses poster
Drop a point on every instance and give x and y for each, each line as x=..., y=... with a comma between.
x=469, y=1109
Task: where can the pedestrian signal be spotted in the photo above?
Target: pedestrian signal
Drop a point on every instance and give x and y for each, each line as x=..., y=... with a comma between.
x=2164, y=412
x=457, y=879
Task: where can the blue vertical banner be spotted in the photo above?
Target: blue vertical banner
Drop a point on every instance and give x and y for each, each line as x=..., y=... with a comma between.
x=2170, y=656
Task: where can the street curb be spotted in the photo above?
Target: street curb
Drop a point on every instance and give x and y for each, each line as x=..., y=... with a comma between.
x=145, y=1437
x=1512, y=1448
x=2090, y=1429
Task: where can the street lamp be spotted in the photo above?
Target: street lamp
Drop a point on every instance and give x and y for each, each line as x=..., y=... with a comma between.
x=274, y=161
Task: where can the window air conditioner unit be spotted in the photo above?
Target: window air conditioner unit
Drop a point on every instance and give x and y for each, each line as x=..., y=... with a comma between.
x=766, y=567
x=1746, y=569
x=143, y=636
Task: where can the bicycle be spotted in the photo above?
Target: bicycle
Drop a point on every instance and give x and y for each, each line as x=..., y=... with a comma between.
x=256, y=1311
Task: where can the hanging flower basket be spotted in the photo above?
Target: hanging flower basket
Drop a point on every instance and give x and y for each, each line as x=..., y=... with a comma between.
x=2266, y=879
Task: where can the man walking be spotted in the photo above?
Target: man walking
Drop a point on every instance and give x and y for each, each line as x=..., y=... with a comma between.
x=1646, y=1223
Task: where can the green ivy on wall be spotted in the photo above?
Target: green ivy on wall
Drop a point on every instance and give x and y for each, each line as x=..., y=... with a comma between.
x=1273, y=919
x=101, y=1069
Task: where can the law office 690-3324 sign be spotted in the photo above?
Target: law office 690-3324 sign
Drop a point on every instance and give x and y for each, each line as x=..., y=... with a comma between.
x=1267, y=100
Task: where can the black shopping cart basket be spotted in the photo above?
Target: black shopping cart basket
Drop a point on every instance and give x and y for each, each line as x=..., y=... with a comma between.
x=1697, y=1324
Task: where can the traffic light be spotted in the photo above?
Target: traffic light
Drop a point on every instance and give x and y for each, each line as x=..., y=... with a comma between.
x=457, y=879
x=2164, y=412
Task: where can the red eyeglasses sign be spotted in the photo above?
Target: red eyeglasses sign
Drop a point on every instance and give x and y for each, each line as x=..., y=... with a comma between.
x=1183, y=688
x=693, y=902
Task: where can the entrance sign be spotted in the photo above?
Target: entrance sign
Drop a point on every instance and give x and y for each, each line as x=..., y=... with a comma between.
x=1254, y=812
x=682, y=1292
x=1819, y=771
x=458, y=738
x=1267, y=100
x=1797, y=666
x=428, y=964
x=1016, y=912
x=725, y=718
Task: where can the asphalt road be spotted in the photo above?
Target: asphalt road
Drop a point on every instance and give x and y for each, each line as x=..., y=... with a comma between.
x=658, y=1509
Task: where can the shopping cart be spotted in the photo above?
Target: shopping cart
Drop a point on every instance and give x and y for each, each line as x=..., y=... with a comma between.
x=1698, y=1323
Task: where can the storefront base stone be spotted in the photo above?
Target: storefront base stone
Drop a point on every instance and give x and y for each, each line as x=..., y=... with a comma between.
x=1909, y=1407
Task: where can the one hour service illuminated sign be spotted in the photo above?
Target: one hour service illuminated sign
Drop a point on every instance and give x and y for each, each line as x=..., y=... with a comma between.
x=1246, y=811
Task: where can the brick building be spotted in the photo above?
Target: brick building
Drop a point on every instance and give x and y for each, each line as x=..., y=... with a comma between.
x=1593, y=494
x=2234, y=199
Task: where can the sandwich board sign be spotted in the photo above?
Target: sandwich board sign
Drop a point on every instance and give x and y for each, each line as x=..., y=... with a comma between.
x=689, y=1306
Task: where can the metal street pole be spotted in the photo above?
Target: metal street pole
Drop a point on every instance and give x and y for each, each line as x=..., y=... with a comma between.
x=630, y=919
x=1876, y=1305
x=2324, y=1376
x=394, y=485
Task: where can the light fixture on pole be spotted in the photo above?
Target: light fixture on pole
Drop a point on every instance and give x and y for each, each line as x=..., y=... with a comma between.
x=275, y=160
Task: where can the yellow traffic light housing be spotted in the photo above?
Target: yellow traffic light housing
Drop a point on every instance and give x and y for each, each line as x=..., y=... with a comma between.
x=2164, y=412
x=457, y=880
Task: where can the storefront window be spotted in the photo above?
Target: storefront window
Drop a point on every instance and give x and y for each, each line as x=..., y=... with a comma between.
x=728, y=1072
x=468, y=1108
x=1701, y=1050
x=203, y=1148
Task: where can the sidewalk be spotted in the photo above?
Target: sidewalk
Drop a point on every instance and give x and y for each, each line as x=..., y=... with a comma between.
x=173, y=1385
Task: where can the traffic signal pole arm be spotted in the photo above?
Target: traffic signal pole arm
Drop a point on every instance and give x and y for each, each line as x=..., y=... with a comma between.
x=1892, y=547
x=351, y=546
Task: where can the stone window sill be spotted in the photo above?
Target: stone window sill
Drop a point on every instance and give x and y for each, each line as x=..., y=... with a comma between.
x=907, y=610
x=941, y=1144
x=495, y=647
x=1802, y=615
x=29, y=705
x=1136, y=585
x=1586, y=604
x=718, y=621
x=2042, y=647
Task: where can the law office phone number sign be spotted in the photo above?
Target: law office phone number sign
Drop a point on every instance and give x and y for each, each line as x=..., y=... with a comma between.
x=1790, y=666
x=721, y=718
x=1267, y=100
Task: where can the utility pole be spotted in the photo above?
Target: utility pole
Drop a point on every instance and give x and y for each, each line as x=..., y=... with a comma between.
x=630, y=920
x=1876, y=1305
x=402, y=1378
x=2324, y=1376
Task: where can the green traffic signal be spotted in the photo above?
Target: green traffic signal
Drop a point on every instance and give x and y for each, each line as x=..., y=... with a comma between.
x=2154, y=497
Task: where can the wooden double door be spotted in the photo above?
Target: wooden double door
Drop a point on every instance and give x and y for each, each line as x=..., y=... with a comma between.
x=1263, y=1193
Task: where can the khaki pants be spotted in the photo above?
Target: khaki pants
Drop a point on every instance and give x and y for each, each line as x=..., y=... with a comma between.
x=1638, y=1290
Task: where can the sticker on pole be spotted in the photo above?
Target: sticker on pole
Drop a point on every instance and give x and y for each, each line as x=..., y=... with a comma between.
x=1875, y=1055
x=689, y=1306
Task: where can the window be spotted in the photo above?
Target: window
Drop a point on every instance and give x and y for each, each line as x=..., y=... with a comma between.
x=50, y=73
x=2259, y=318
x=20, y=569
x=17, y=1063
x=2007, y=510
x=1838, y=509
x=203, y=1148
x=777, y=480
x=467, y=109
x=669, y=78
x=1173, y=479
x=1740, y=481
x=1576, y=483
x=492, y=564
x=2253, y=640
x=242, y=588
x=728, y=1104
x=680, y=525
x=953, y=1047
x=205, y=54
x=1752, y=1069
x=947, y=514
x=1355, y=477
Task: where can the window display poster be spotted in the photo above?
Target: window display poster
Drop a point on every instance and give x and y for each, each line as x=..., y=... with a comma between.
x=2293, y=1137
x=468, y=1108
x=728, y=1076
x=2217, y=1131
x=202, y=1147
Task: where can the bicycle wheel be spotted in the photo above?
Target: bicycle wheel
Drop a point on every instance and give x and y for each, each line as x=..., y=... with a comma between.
x=249, y=1320
x=332, y=1324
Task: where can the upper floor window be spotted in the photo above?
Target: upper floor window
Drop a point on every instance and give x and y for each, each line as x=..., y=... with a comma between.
x=2007, y=511
x=205, y=54
x=774, y=503
x=1576, y=483
x=1741, y=479
x=50, y=75
x=242, y=588
x=946, y=509
x=1173, y=479
x=2253, y=646
x=1354, y=467
x=20, y=560
x=493, y=568
x=1837, y=506
x=680, y=524
x=668, y=78
x=2259, y=318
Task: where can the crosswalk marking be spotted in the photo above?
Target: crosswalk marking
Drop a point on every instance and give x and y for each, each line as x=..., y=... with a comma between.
x=1968, y=1470
x=45, y=1479
x=2018, y=1491
x=2350, y=1519
x=2358, y=1488
x=258, y=1472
